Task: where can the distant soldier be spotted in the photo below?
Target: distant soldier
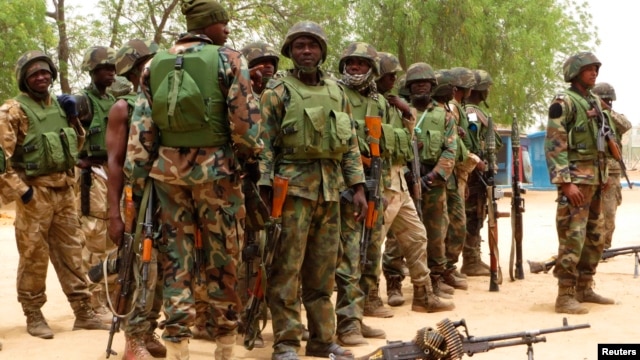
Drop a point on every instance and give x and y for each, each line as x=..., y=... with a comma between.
x=612, y=193
x=576, y=157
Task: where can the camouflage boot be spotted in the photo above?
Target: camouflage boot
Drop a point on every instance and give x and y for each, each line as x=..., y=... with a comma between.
x=425, y=300
x=135, y=349
x=177, y=350
x=86, y=318
x=585, y=293
x=224, y=347
x=36, y=324
x=373, y=305
x=472, y=264
x=441, y=289
x=154, y=345
x=394, y=290
x=567, y=303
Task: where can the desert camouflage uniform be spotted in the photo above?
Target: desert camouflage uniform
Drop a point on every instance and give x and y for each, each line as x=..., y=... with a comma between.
x=311, y=220
x=199, y=186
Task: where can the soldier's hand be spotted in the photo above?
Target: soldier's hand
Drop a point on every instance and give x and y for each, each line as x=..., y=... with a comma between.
x=359, y=203
x=481, y=166
x=116, y=229
x=400, y=104
x=255, y=73
x=573, y=194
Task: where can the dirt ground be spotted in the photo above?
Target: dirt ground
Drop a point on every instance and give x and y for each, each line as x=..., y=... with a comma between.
x=517, y=306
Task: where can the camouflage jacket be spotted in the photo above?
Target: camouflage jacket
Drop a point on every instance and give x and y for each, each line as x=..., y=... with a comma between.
x=189, y=166
x=14, y=125
x=310, y=179
x=446, y=161
x=394, y=176
x=621, y=126
x=480, y=119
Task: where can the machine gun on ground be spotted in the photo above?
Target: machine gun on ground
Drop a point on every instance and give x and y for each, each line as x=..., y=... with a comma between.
x=545, y=266
x=445, y=342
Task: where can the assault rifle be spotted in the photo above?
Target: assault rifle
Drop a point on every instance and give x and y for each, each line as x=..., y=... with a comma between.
x=147, y=245
x=416, y=188
x=545, y=266
x=373, y=129
x=445, y=342
x=611, y=141
x=492, y=210
x=517, y=206
x=274, y=229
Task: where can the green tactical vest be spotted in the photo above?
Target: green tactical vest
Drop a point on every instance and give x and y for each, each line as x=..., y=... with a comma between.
x=583, y=134
x=430, y=131
x=311, y=129
x=50, y=145
x=95, y=144
x=188, y=105
x=478, y=133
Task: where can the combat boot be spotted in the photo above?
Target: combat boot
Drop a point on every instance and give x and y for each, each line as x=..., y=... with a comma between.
x=394, y=290
x=472, y=265
x=154, y=345
x=373, y=305
x=177, y=350
x=567, y=303
x=224, y=347
x=441, y=289
x=135, y=349
x=425, y=300
x=36, y=324
x=352, y=338
x=86, y=318
x=372, y=333
x=585, y=293
x=450, y=279
x=98, y=303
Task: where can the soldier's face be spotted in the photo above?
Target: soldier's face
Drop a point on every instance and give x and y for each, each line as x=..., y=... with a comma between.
x=420, y=87
x=39, y=81
x=104, y=75
x=356, y=66
x=218, y=32
x=588, y=75
x=268, y=68
x=386, y=82
x=306, y=51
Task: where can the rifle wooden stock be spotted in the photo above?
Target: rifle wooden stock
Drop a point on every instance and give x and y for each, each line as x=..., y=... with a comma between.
x=495, y=276
x=517, y=207
x=617, y=155
x=274, y=229
x=374, y=133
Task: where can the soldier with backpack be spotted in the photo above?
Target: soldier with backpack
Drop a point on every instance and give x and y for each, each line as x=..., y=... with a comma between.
x=193, y=134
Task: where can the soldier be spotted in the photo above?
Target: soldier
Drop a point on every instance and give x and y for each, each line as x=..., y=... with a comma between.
x=296, y=109
x=196, y=168
x=612, y=193
x=41, y=184
x=141, y=341
x=401, y=216
x=359, y=67
x=476, y=201
x=577, y=165
x=263, y=62
x=94, y=103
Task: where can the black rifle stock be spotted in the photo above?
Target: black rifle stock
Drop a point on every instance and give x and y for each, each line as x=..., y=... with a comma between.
x=416, y=188
x=517, y=207
x=374, y=133
x=274, y=229
x=544, y=266
x=446, y=342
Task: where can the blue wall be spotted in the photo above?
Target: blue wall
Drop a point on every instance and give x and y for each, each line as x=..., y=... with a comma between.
x=539, y=162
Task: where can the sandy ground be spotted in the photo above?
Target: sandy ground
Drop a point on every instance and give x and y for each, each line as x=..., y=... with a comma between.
x=517, y=306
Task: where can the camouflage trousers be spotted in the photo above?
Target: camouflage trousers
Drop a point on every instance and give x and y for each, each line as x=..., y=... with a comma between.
x=475, y=209
x=307, y=253
x=351, y=281
x=611, y=199
x=47, y=228
x=436, y=221
x=217, y=209
x=457, y=229
x=579, y=236
x=94, y=227
x=144, y=319
x=406, y=237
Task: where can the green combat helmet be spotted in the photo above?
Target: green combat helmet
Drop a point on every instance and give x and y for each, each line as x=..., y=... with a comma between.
x=132, y=54
x=259, y=51
x=389, y=63
x=574, y=64
x=605, y=91
x=463, y=78
x=420, y=71
x=98, y=55
x=26, y=59
x=445, y=85
x=361, y=50
x=403, y=90
x=306, y=28
x=483, y=80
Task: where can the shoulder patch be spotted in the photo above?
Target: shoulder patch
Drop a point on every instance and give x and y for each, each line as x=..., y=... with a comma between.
x=555, y=110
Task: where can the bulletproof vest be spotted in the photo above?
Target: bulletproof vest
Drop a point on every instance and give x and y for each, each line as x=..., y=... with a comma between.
x=583, y=131
x=311, y=128
x=50, y=144
x=361, y=107
x=430, y=131
x=189, y=107
x=478, y=131
x=95, y=144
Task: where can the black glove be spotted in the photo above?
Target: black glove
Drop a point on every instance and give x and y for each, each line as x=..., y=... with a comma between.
x=69, y=105
x=27, y=196
x=427, y=180
x=252, y=171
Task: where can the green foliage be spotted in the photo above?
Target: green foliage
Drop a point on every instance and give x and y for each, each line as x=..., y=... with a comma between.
x=24, y=21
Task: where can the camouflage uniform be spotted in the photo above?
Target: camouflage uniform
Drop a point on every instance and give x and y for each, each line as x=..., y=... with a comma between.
x=612, y=193
x=46, y=225
x=308, y=247
x=94, y=223
x=573, y=159
x=199, y=187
